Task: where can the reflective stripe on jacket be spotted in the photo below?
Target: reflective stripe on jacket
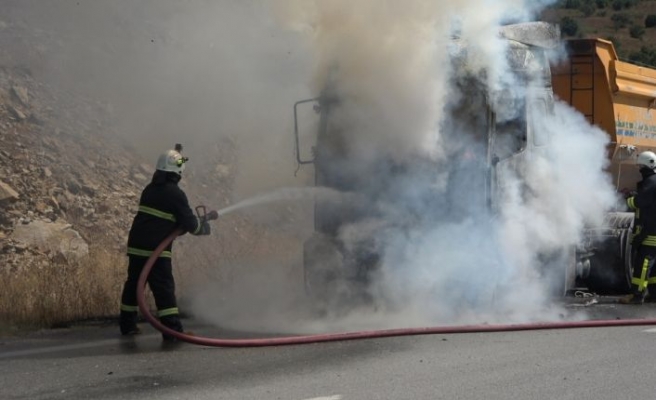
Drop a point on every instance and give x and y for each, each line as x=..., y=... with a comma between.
x=163, y=207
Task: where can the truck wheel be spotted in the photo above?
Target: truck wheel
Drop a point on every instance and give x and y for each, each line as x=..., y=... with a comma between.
x=610, y=269
x=322, y=262
x=604, y=278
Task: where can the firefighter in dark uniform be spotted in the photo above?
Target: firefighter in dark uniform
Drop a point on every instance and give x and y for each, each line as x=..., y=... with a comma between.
x=643, y=202
x=163, y=207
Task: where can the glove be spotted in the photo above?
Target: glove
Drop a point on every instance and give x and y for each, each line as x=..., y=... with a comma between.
x=212, y=215
x=627, y=193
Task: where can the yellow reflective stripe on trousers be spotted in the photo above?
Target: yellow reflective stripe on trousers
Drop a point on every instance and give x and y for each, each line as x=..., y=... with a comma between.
x=125, y=307
x=147, y=253
x=631, y=202
x=649, y=241
x=168, y=311
x=157, y=213
x=642, y=281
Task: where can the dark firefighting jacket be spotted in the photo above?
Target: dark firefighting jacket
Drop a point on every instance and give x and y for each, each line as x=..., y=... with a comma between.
x=163, y=207
x=644, y=204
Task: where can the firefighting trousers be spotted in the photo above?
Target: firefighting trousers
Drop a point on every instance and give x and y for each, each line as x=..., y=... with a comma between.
x=161, y=283
x=644, y=274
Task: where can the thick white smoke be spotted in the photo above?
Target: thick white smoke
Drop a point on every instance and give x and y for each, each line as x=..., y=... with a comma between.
x=389, y=64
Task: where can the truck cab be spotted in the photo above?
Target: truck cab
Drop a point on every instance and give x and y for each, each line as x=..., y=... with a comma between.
x=494, y=137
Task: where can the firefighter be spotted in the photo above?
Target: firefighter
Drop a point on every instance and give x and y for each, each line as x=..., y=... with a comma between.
x=163, y=207
x=643, y=202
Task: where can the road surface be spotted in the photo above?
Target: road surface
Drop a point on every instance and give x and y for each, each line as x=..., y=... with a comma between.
x=93, y=362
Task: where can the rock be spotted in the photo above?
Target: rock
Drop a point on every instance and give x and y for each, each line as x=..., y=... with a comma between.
x=73, y=187
x=89, y=163
x=53, y=202
x=62, y=201
x=57, y=238
x=139, y=177
x=15, y=213
x=90, y=190
x=7, y=193
x=105, y=207
x=146, y=169
x=222, y=171
x=21, y=94
x=35, y=119
x=17, y=113
x=20, y=247
x=41, y=207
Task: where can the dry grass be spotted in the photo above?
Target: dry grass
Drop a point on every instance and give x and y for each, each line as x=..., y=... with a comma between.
x=46, y=296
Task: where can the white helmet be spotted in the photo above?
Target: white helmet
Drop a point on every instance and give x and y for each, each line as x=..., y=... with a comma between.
x=171, y=161
x=647, y=159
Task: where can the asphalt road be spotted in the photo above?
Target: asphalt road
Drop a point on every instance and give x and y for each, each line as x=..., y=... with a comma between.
x=92, y=362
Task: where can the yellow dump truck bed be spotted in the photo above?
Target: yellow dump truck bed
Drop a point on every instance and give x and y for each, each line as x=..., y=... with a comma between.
x=617, y=96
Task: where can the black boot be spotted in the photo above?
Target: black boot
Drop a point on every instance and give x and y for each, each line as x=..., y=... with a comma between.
x=128, y=323
x=172, y=322
x=634, y=298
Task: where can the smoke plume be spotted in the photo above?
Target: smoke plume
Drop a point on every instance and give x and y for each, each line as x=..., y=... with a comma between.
x=446, y=259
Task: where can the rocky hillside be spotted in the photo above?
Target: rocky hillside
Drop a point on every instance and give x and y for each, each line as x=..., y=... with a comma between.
x=629, y=24
x=46, y=187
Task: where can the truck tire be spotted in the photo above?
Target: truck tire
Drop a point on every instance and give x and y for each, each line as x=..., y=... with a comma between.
x=610, y=269
x=611, y=266
x=322, y=265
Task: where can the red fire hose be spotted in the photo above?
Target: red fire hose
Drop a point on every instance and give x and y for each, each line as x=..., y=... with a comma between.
x=332, y=337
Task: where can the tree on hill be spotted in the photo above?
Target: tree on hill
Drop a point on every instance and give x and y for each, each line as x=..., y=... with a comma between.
x=588, y=9
x=650, y=21
x=569, y=26
x=620, y=20
x=623, y=4
x=646, y=56
x=571, y=4
x=637, y=31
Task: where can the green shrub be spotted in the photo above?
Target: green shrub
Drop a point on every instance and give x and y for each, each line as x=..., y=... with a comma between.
x=569, y=26
x=637, y=31
x=646, y=56
x=588, y=9
x=650, y=21
x=623, y=4
x=620, y=20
